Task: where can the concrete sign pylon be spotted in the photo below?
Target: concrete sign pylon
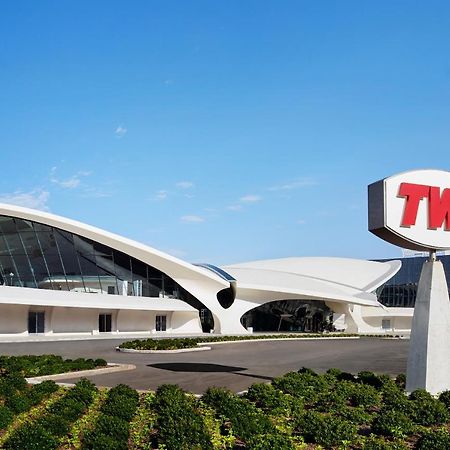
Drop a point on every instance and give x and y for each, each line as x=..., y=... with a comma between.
x=429, y=350
x=412, y=210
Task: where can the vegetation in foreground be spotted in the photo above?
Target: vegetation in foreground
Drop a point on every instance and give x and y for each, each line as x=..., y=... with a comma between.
x=300, y=410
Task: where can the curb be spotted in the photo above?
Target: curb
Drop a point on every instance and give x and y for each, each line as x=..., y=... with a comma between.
x=112, y=367
x=180, y=350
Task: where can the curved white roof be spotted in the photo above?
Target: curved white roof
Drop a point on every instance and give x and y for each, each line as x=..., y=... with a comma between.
x=170, y=265
x=339, y=279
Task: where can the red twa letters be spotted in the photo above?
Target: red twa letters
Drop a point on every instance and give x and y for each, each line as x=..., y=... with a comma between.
x=438, y=205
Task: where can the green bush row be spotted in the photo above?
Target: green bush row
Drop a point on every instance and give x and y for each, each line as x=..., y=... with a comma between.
x=179, y=422
x=245, y=421
x=46, y=432
x=34, y=366
x=111, y=429
x=180, y=343
x=17, y=397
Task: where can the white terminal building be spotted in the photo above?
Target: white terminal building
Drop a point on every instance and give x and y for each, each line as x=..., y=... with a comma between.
x=61, y=277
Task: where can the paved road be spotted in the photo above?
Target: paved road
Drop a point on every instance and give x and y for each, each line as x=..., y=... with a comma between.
x=235, y=366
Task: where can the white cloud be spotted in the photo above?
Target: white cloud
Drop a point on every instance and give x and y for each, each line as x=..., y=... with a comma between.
x=301, y=222
x=234, y=208
x=185, y=184
x=121, y=131
x=296, y=184
x=250, y=198
x=192, y=219
x=36, y=199
x=68, y=183
x=161, y=195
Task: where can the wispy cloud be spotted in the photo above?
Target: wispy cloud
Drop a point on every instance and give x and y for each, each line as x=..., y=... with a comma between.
x=36, y=199
x=295, y=184
x=68, y=183
x=301, y=222
x=161, y=194
x=185, y=184
x=192, y=219
x=121, y=131
x=234, y=208
x=93, y=192
x=250, y=198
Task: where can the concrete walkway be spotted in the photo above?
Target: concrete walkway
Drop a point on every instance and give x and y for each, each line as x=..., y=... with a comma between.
x=235, y=366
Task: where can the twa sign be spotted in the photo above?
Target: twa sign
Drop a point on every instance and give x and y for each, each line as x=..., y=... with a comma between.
x=412, y=209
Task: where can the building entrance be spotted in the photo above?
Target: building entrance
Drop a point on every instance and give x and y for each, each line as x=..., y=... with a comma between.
x=36, y=322
x=105, y=323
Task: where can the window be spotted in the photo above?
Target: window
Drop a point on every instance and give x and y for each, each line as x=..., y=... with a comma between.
x=111, y=289
x=386, y=324
x=161, y=323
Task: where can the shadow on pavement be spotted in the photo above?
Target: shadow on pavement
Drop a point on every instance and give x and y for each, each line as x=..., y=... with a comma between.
x=205, y=368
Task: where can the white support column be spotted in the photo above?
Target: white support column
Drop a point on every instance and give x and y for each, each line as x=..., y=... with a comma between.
x=429, y=351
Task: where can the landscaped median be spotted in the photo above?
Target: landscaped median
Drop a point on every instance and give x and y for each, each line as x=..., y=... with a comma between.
x=181, y=345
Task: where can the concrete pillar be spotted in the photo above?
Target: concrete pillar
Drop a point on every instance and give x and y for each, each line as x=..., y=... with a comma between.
x=429, y=350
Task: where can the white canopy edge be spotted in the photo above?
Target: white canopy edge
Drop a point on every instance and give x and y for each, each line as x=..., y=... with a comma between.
x=42, y=297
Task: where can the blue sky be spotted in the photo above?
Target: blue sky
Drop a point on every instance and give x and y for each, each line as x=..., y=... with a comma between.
x=222, y=131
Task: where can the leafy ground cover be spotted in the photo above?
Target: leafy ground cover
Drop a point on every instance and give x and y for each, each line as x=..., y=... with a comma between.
x=180, y=343
x=34, y=366
x=299, y=410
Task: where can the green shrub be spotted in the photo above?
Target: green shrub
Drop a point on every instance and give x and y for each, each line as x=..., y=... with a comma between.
x=444, y=397
x=400, y=380
x=54, y=424
x=99, y=362
x=358, y=415
x=246, y=420
x=370, y=378
x=69, y=408
x=18, y=403
x=365, y=395
x=42, y=390
x=429, y=411
x=96, y=441
x=31, y=437
x=325, y=430
x=179, y=422
x=434, y=440
x=274, y=441
x=12, y=382
x=121, y=402
x=269, y=398
x=378, y=443
x=6, y=417
x=304, y=385
x=32, y=365
x=420, y=394
x=392, y=423
x=112, y=426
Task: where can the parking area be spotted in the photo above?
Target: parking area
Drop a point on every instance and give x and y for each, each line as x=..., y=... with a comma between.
x=235, y=366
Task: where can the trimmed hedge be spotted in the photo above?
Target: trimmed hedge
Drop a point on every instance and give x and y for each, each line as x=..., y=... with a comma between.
x=178, y=420
x=111, y=429
x=180, y=343
x=35, y=366
x=45, y=433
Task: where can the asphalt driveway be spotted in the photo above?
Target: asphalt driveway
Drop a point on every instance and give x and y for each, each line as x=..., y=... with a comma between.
x=235, y=366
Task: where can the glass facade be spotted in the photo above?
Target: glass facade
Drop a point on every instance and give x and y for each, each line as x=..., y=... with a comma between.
x=401, y=289
x=39, y=256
